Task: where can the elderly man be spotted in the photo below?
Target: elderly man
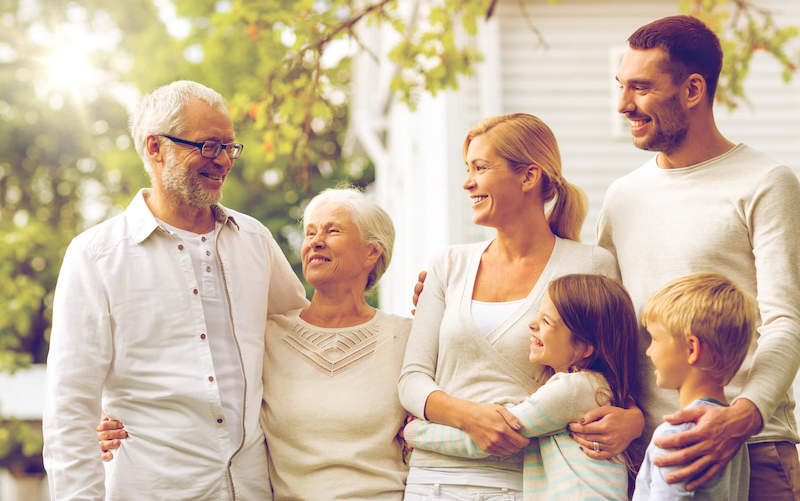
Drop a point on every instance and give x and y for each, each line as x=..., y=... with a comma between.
x=703, y=203
x=160, y=314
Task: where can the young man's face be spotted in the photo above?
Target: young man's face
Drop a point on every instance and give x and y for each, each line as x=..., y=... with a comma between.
x=669, y=355
x=652, y=101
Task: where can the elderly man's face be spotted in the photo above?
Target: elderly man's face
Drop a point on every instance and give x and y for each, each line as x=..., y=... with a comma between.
x=188, y=176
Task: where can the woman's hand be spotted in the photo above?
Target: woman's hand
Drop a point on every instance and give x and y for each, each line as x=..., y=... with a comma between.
x=611, y=428
x=109, y=434
x=494, y=429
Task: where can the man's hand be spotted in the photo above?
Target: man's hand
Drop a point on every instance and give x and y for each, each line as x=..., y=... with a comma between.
x=707, y=448
x=494, y=429
x=613, y=428
x=418, y=289
x=109, y=434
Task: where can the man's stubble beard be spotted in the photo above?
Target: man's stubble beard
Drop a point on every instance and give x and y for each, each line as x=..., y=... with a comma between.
x=184, y=184
x=672, y=128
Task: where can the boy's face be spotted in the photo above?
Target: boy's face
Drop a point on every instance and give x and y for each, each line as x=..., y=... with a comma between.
x=669, y=355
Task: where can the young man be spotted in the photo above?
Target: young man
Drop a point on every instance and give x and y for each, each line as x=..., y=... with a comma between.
x=160, y=313
x=705, y=203
x=700, y=329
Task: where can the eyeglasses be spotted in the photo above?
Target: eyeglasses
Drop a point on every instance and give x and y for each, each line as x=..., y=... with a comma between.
x=210, y=149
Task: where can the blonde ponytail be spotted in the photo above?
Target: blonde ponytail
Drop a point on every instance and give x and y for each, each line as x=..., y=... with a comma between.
x=569, y=211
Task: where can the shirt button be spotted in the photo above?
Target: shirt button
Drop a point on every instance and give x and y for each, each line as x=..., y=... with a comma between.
x=208, y=269
x=195, y=291
x=180, y=246
x=219, y=420
x=203, y=335
x=211, y=379
x=208, y=253
x=203, y=239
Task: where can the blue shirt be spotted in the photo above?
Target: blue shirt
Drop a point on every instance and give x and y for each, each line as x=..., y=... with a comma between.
x=732, y=483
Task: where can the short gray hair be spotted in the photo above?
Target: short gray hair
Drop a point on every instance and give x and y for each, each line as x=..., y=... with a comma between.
x=373, y=223
x=161, y=112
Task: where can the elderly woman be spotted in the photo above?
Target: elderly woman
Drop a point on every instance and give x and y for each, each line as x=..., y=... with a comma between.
x=330, y=412
x=467, y=353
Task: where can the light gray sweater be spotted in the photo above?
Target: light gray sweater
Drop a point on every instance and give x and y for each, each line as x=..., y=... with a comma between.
x=447, y=352
x=736, y=214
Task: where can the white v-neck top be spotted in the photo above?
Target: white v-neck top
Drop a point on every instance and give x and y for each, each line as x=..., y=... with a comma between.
x=488, y=315
x=447, y=352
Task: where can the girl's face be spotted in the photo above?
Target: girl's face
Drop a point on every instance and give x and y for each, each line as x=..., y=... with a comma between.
x=552, y=343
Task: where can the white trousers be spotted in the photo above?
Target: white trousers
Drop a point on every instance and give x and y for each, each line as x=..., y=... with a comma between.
x=447, y=492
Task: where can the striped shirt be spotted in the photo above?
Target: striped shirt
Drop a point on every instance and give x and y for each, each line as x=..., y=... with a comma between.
x=554, y=464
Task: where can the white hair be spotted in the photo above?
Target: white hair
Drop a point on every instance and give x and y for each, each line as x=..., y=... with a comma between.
x=373, y=223
x=161, y=112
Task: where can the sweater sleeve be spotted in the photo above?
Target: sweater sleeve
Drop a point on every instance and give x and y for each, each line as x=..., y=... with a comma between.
x=562, y=399
x=421, y=434
x=775, y=234
x=417, y=377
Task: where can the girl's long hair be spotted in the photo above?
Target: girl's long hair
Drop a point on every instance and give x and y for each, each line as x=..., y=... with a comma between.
x=599, y=312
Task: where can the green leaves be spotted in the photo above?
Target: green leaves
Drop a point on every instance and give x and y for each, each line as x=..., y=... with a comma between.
x=20, y=447
x=744, y=29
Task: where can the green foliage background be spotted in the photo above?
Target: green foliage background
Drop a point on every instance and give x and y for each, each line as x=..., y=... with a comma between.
x=66, y=161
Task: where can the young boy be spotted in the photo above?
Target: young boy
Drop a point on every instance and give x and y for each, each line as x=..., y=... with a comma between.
x=701, y=326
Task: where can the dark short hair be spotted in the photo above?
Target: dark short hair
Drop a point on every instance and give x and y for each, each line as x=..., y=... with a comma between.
x=691, y=45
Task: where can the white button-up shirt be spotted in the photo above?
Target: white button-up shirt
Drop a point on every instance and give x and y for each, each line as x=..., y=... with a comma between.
x=129, y=334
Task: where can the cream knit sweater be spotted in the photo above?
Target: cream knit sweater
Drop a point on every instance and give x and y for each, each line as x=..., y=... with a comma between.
x=737, y=214
x=331, y=411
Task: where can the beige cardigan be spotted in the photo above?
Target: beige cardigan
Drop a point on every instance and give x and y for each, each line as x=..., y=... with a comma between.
x=447, y=352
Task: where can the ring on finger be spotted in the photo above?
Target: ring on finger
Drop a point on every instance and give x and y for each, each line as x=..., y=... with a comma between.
x=596, y=446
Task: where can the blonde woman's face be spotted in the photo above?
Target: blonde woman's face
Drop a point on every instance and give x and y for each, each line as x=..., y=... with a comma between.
x=494, y=189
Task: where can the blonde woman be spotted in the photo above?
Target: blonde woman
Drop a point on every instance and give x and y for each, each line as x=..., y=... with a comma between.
x=467, y=352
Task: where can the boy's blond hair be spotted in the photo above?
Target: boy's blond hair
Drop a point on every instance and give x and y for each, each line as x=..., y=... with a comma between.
x=713, y=309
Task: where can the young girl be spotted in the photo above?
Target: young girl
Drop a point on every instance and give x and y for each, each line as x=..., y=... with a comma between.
x=586, y=333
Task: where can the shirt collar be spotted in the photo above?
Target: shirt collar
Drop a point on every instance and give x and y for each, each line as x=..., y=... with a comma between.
x=143, y=223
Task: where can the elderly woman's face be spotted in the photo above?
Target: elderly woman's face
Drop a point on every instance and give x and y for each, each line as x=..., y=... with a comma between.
x=332, y=250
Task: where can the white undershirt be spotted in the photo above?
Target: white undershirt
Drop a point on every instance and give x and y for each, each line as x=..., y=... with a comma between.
x=488, y=316
x=224, y=353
